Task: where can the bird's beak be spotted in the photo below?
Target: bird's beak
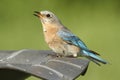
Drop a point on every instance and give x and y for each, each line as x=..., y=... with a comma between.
x=38, y=14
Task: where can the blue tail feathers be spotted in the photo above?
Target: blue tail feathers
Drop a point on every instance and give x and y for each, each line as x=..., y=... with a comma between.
x=93, y=56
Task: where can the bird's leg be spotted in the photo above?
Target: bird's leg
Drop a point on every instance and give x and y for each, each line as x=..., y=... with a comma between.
x=70, y=56
x=55, y=55
x=59, y=55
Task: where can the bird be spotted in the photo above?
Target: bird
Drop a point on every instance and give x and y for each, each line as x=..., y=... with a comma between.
x=62, y=41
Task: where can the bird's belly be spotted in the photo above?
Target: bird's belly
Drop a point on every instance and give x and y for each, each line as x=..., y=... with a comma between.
x=74, y=50
x=64, y=49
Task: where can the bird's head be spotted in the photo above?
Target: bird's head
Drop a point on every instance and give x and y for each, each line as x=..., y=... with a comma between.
x=47, y=17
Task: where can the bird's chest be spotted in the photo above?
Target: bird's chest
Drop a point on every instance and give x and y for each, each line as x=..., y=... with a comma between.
x=50, y=34
x=52, y=39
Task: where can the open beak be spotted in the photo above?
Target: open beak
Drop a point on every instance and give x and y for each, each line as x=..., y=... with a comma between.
x=38, y=14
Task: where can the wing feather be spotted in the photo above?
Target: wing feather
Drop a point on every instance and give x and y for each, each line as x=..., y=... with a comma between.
x=70, y=38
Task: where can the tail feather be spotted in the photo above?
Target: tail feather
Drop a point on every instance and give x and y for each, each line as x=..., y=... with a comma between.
x=94, y=52
x=94, y=57
x=94, y=61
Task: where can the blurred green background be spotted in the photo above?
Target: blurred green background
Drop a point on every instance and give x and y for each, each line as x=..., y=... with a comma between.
x=96, y=22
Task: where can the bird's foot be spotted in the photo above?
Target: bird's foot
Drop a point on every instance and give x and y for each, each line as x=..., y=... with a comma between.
x=55, y=55
x=70, y=56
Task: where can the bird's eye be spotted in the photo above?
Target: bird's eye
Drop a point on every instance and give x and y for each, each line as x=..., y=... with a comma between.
x=48, y=15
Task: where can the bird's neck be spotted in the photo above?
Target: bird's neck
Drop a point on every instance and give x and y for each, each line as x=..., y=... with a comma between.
x=47, y=27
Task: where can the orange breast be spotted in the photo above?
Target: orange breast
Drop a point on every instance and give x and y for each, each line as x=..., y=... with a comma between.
x=50, y=33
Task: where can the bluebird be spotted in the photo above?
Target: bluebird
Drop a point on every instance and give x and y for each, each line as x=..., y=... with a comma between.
x=62, y=41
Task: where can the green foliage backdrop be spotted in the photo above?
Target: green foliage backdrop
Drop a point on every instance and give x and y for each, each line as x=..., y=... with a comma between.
x=96, y=22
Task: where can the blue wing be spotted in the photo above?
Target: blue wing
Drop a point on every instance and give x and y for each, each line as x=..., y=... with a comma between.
x=70, y=38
